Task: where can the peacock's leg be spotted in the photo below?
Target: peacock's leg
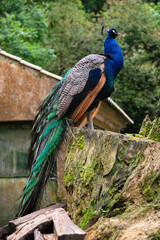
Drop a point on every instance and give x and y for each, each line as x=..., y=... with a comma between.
x=90, y=120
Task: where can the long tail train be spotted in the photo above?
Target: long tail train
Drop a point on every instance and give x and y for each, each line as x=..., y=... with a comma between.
x=46, y=135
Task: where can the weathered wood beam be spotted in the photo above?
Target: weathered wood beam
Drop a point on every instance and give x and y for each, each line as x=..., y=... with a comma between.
x=13, y=224
x=28, y=227
x=49, y=236
x=53, y=219
x=64, y=228
x=16, y=222
x=38, y=235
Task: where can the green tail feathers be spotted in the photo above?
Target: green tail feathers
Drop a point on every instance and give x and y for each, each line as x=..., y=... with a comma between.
x=50, y=145
x=47, y=133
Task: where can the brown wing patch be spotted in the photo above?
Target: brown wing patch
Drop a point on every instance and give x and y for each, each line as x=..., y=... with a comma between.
x=83, y=120
x=88, y=100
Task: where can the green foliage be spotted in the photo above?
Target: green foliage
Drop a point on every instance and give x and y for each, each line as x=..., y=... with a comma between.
x=137, y=84
x=93, y=5
x=150, y=188
x=23, y=31
x=71, y=34
x=155, y=236
x=152, y=1
x=155, y=9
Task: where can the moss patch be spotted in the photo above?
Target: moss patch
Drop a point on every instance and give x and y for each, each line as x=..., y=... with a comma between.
x=151, y=130
x=155, y=236
x=151, y=186
x=88, y=214
x=155, y=131
x=146, y=126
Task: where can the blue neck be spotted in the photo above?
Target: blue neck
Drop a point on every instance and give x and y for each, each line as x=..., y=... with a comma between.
x=112, y=49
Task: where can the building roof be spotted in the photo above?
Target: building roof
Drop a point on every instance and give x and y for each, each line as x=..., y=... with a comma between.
x=24, y=86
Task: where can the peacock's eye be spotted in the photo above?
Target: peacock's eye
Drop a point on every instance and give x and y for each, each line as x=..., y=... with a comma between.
x=114, y=31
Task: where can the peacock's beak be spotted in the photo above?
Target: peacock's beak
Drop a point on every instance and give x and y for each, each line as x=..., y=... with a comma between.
x=105, y=30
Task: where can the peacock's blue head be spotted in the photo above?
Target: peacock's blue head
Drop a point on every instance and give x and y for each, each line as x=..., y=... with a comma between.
x=112, y=32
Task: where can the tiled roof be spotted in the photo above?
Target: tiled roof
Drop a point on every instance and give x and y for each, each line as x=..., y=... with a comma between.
x=20, y=60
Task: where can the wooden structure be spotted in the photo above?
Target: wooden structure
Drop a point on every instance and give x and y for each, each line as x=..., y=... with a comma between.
x=50, y=223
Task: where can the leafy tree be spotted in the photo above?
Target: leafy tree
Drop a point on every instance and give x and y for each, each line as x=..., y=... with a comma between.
x=93, y=5
x=151, y=1
x=71, y=34
x=23, y=31
x=155, y=9
x=137, y=84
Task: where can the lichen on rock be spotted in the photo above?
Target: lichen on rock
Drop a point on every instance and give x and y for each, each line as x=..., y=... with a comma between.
x=154, y=133
x=149, y=129
x=110, y=178
x=146, y=126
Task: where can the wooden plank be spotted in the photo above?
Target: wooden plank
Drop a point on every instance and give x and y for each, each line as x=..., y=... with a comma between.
x=29, y=227
x=26, y=225
x=30, y=216
x=64, y=228
x=11, y=227
x=38, y=235
x=49, y=236
x=49, y=220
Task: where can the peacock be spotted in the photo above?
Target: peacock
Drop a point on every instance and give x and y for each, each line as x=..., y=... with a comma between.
x=73, y=100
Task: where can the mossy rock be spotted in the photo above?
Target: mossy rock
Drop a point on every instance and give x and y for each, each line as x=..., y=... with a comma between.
x=151, y=130
x=99, y=168
x=146, y=126
x=112, y=181
x=155, y=131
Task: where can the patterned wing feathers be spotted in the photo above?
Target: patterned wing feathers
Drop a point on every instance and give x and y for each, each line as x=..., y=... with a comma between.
x=76, y=80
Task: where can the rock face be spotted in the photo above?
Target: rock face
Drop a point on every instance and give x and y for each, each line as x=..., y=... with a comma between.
x=113, y=185
x=151, y=130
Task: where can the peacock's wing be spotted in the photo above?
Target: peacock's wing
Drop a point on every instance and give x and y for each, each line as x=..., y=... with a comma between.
x=76, y=81
x=81, y=109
